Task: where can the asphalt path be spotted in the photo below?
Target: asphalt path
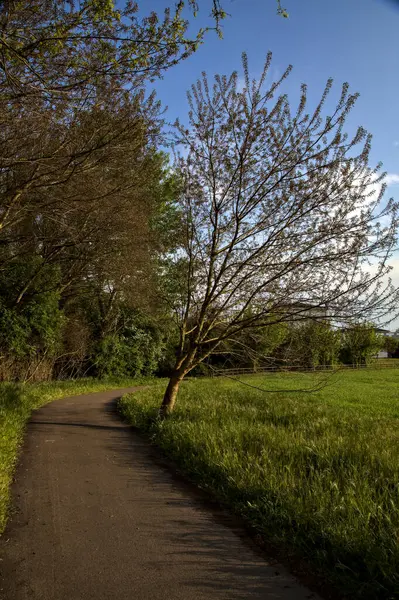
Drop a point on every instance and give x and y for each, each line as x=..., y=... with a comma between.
x=97, y=515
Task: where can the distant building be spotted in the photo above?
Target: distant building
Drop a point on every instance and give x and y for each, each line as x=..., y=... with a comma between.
x=384, y=332
x=300, y=312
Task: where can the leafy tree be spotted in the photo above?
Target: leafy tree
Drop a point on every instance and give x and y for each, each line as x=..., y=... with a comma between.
x=276, y=209
x=134, y=347
x=253, y=348
x=85, y=205
x=55, y=48
x=361, y=343
x=313, y=344
x=29, y=331
x=391, y=345
x=79, y=171
x=84, y=209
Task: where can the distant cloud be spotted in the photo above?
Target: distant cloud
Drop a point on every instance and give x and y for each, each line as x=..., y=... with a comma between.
x=392, y=179
x=393, y=275
x=396, y=143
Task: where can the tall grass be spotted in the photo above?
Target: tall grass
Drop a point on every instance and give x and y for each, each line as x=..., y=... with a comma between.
x=16, y=405
x=317, y=474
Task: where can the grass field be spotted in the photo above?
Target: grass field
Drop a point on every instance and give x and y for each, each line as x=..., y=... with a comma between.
x=16, y=405
x=315, y=473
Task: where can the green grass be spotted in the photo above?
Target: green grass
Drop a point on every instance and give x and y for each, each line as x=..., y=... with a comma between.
x=316, y=474
x=16, y=405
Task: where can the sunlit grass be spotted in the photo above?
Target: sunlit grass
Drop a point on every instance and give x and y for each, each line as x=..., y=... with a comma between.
x=317, y=473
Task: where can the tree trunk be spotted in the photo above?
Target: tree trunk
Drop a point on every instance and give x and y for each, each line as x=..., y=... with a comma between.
x=169, y=398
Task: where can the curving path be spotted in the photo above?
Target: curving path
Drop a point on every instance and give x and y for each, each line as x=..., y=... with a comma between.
x=98, y=517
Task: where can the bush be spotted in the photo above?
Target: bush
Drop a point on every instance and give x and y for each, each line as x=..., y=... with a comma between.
x=360, y=344
x=314, y=344
x=133, y=350
x=30, y=317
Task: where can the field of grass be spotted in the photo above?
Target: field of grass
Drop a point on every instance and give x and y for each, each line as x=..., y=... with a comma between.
x=16, y=405
x=316, y=473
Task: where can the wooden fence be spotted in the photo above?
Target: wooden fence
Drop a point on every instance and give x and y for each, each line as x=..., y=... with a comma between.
x=382, y=363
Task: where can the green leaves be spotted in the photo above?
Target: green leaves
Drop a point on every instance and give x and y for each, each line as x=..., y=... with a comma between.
x=133, y=349
x=361, y=343
x=30, y=318
x=281, y=11
x=103, y=10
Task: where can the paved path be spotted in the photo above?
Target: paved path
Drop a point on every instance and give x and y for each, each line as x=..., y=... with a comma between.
x=98, y=517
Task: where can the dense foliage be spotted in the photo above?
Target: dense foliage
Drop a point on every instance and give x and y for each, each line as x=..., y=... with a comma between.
x=299, y=346
x=104, y=248
x=360, y=344
x=83, y=187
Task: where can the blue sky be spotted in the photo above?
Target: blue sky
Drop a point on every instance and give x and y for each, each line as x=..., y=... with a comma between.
x=350, y=40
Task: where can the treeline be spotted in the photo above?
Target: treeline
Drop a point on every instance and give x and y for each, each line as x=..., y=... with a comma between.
x=113, y=263
x=84, y=190
x=83, y=202
x=305, y=344
x=83, y=193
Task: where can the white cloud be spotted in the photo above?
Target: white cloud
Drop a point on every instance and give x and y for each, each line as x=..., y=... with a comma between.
x=393, y=275
x=392, y=179
x=396, y=143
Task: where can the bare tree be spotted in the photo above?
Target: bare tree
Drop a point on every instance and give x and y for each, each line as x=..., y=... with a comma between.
x=279, y=214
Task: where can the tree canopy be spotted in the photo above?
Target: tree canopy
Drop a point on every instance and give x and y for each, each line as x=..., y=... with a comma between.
x=105, y=247
x=279, y=216
x=55, y=48
x=81, y=177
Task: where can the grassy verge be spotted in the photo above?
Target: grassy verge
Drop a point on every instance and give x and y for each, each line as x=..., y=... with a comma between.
x=16, y=405
x=317, y=474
